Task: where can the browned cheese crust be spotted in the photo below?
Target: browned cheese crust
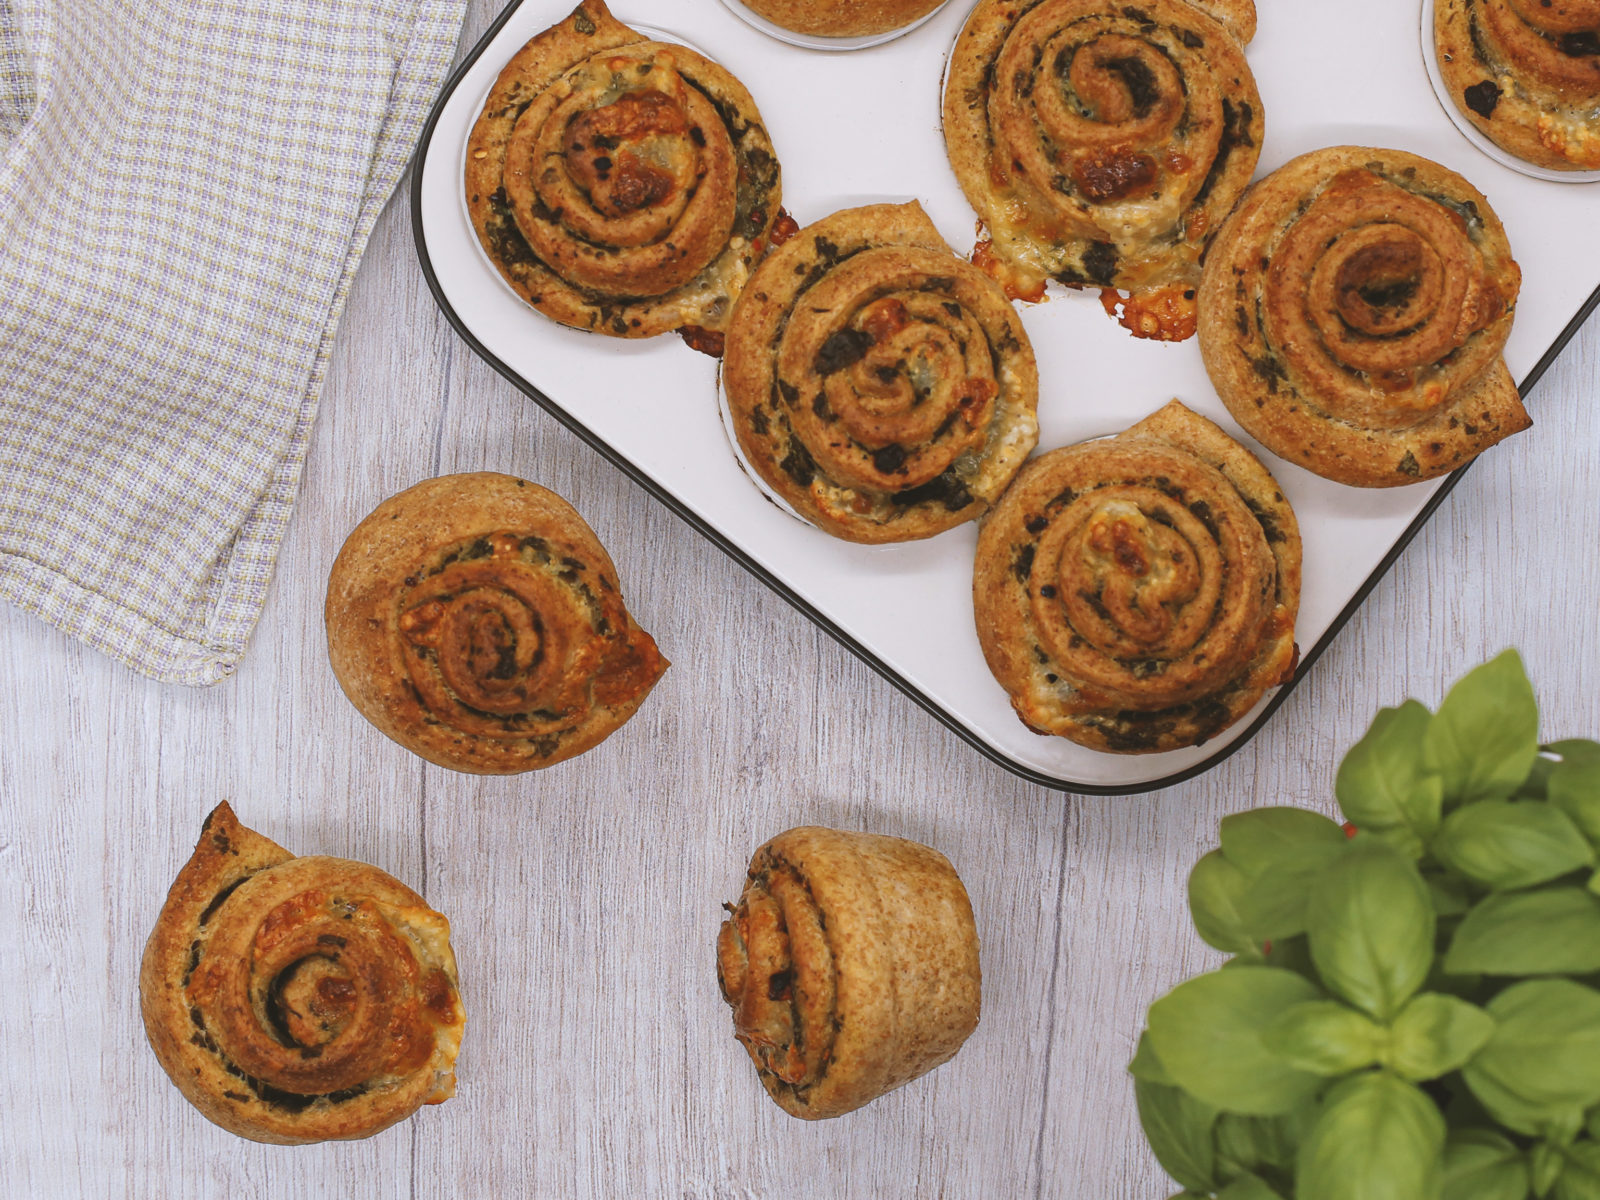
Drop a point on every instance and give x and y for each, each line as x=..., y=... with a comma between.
x=1527, y=74
x=298, y=1000
x=851, y=963
x=621, y=185
x=1138, y=594
x=842, y=18
x=1353, y=315
x=1103, y=143
x=882, y=386
x=476, y=620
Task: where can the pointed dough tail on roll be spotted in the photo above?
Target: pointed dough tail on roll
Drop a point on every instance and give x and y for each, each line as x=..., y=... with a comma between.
x=296, y=1000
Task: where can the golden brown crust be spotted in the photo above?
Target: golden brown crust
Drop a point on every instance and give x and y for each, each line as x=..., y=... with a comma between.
x=1237, y=16
x=664, y=191
x=1527, y=74
x=1353, y=314
x=298, y=1000
x=1103, y=143
x=842, y=18
x=1138, y=593
x=851, y=963
x=476, y=620
x=883, y=387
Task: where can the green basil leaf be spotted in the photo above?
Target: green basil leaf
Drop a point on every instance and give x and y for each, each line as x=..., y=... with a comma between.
x=1382, y=782
x=1594, y=1124
x=1326, y=1038
x=1261, y=1145
x=1580, y=1180
x=1255, y=840
x=1146, y=1065
x=1397, y=837
x=1485, y=736
x=1215, y=888
x=1248, y=1187
x=1503, y=844
x=1208, y=1033
x=1574, y=785
x=1553, y=931
x=1544, y=1165
x=1370, y=922
x=1436, y=1034
x=1379, y=1138
x=1273, y=906
x=1541, y=1119
x=1545, y=1049
x=1483, y=1165
x=1178, y=1128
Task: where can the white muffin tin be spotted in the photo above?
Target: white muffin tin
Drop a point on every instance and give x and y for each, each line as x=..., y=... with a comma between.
x=867, y=124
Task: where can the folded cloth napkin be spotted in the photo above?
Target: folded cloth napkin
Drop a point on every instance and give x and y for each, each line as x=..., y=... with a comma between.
x=186, y=187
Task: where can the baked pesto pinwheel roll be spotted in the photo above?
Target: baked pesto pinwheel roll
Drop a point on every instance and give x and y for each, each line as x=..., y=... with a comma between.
x=1103, y=142
x=1139, y=593
x=298, y=1000
x=880, y=385
x=621, y=185
x=1527, y=74
x=842, y=18
x=851, y=964
x=1353, y=315
x=478, y=621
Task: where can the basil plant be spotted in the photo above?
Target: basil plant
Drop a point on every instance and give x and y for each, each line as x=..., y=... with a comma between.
x=1412, y=1009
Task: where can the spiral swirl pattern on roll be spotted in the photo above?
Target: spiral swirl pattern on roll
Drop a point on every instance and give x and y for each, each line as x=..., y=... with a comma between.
x=621, y=185
x=1101, y=142
x=1353, y=315
x=478, y=621
x=851, y=964
x=1527, y=74
x=882, y=386
x=299, y=999
x=1139, y=593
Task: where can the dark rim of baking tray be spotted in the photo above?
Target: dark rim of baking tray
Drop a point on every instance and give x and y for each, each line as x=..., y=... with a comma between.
x=716, y=538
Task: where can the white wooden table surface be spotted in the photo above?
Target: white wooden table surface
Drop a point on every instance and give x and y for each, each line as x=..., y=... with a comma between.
x=599, y=1059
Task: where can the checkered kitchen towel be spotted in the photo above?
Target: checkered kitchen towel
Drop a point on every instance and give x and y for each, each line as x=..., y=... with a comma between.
x=186, y=187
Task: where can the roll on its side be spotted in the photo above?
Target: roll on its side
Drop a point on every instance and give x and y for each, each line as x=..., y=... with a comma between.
x=851, y=963
x=1139, y=593
x=298, y=1000
x=1353, y=314
x=621, y=185
x=1527, y=74
x=1103, y=143
x=882, y=386
x=478, y=621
